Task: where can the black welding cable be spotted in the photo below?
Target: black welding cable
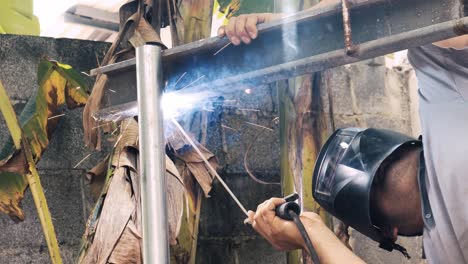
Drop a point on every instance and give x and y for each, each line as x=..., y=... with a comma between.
x=305, y=236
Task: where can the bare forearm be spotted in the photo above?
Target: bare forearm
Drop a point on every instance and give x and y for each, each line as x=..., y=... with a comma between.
x=460, y=42
x=328, y=247
x=321, y=4
x=325, y=3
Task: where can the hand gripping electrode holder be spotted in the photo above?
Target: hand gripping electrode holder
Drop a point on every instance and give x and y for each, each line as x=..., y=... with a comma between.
x=290, y=211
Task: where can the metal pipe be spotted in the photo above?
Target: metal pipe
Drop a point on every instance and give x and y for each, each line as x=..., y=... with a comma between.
x=152, y=155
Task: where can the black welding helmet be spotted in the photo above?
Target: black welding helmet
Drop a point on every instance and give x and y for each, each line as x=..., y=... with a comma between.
x=344, y=172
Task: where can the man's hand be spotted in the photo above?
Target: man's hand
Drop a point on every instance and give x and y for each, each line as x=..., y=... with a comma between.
x=283, y=235
x=244, y=27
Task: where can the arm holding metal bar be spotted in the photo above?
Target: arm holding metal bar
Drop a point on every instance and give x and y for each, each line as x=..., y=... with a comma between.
x=243, y=29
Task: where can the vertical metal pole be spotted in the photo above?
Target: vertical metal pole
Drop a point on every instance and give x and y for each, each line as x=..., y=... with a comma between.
x=152, y=155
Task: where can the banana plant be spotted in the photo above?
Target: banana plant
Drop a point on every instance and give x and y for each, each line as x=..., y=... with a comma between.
x=59, y=85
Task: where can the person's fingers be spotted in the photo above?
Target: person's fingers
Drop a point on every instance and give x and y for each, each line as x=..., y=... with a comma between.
x=251, y=26
x=265, y=215
x=273, y=203
x=263, y=17
x=240, y=29
x=221, y=31
x=251, y=215
x=268, y=210
x=231, y=31
x=260, y=206
x=260, y=226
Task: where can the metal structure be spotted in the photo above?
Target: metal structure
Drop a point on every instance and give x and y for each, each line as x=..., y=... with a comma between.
x=307, y=42
x=152, y=155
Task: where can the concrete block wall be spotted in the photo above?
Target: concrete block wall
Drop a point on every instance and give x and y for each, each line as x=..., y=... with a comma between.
x=64, y=185
x=377, y=93
x=224, y=238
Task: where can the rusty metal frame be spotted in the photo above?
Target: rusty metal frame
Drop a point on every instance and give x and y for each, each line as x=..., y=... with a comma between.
x=306, y=42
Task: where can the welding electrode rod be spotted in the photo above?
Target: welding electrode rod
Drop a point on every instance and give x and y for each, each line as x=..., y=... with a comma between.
x=209, y=166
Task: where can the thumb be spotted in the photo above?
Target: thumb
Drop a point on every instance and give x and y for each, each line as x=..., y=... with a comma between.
x=221, y=31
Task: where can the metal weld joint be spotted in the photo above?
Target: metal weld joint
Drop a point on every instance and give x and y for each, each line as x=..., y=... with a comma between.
x=460, y=28
x=348, y=35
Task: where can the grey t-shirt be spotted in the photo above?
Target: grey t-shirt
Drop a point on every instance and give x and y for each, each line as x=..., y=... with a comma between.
x=443, y=106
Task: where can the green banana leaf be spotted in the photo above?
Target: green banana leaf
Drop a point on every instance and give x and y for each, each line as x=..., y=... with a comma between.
x=59, y=85
x=238, y=7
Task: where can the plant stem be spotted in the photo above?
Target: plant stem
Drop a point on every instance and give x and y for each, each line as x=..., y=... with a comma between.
x=32, y=177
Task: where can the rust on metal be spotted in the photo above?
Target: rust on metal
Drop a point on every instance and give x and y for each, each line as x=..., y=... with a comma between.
x=348, y=35
x=460, y=28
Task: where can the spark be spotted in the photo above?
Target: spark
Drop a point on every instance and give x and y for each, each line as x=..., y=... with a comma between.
x=257, y=125
x=115, y=130
x=81, y=161
x=180, y=78
x=221, y=49
x=229, y=128
x=248, y=91
x=55, y=116
x=248, y=109
x=99, y=126
x=276, y=120
x=121, y=134
x=207, y=163
x=117, y=118
x=198, y=79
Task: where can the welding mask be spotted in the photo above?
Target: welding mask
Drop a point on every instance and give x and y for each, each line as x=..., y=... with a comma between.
x=344, y=172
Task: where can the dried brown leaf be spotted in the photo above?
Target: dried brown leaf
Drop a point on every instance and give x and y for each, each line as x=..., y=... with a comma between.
x=175, y=200
x=97, y=177
x=119, y=223
x=92, y=133
x=195, y=164
x=128, y=248
x=114, y=217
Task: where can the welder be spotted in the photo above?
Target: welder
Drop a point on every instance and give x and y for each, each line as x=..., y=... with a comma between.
x=380, y=182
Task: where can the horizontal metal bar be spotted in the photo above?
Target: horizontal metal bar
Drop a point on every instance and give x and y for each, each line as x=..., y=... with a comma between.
x=91, y=16
x=305, y=42
x=333, y=59
x=312, y=64
x=217, y=42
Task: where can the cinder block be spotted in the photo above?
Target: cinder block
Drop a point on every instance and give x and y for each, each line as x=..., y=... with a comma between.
x=64, y=187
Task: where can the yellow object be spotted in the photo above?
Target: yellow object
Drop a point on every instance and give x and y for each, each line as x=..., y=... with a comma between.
x=6, y=108
x=16, y=17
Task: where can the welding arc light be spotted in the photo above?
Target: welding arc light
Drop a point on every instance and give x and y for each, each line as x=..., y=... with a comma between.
x=177, y=103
